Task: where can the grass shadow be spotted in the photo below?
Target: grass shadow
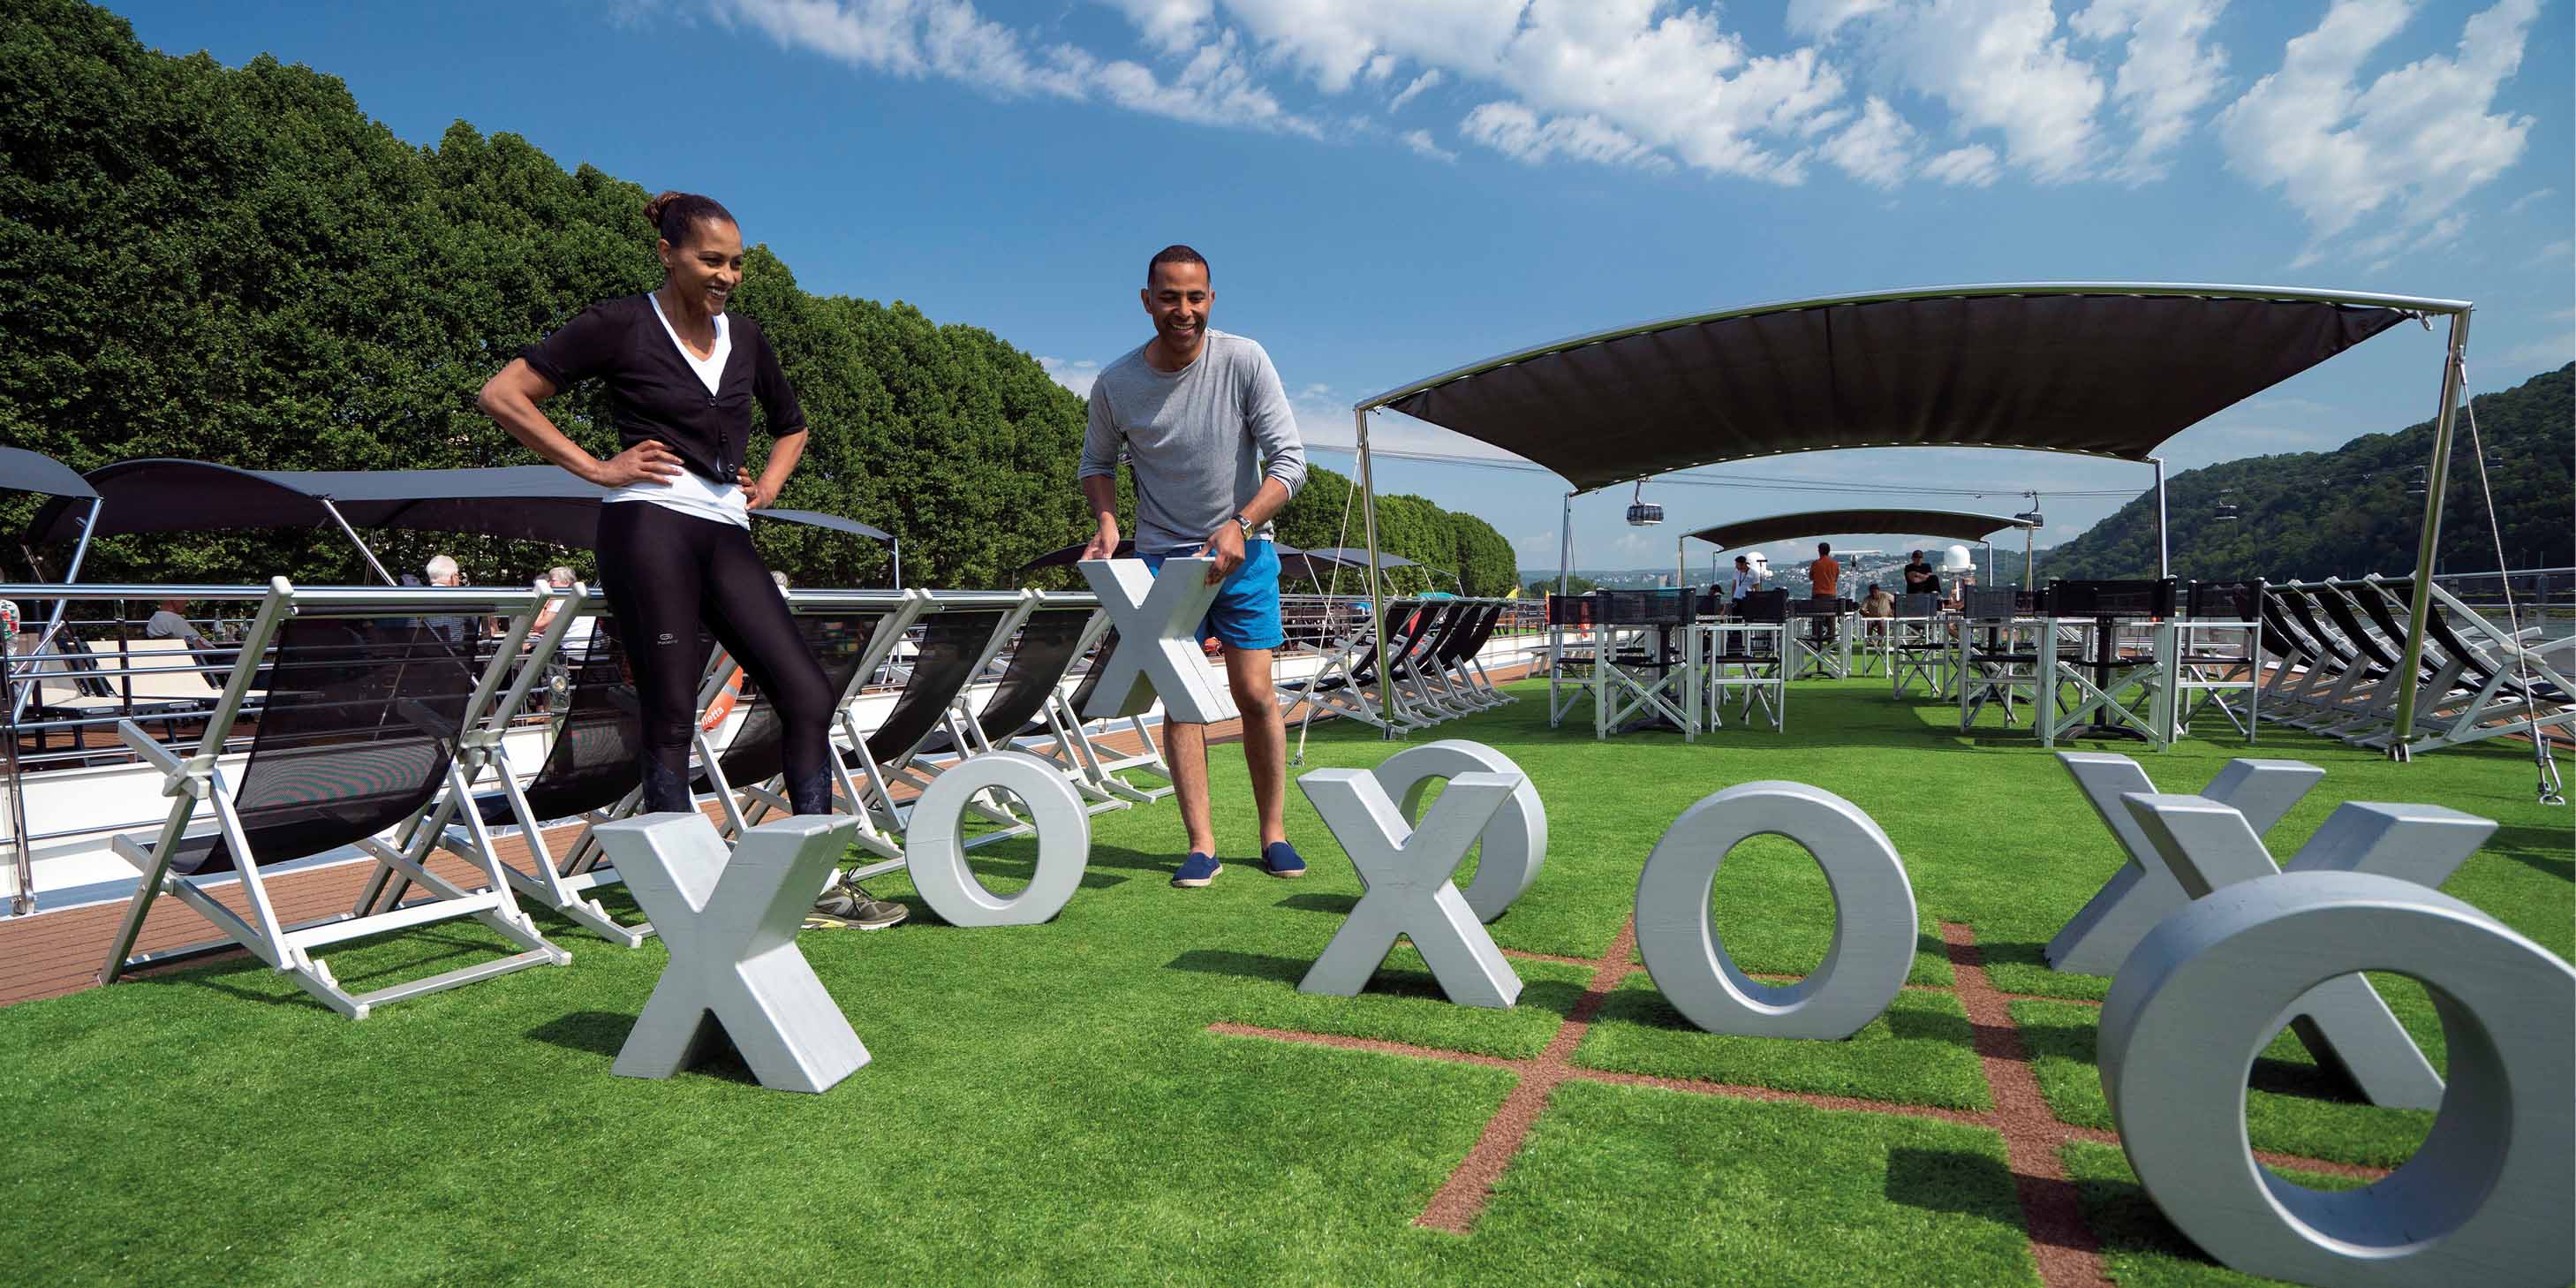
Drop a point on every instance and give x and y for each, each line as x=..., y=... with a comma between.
x=1939, y=1180
x=604, y=1033
x=1341, y=904
x=1226, y=961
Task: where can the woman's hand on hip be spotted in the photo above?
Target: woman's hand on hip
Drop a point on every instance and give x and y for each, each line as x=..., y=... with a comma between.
x=645, y=462
x=756, y=493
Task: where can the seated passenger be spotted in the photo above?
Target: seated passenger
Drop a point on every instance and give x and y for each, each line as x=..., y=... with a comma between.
x=1877, y=605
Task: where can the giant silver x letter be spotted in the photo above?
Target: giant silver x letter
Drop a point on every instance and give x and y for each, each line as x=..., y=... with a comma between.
x=1406, y=872
x=2210, y=846
x=731, y=925
x=2142, y=893
x=1157, y=619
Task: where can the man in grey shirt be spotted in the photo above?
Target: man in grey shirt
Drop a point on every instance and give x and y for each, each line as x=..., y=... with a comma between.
x=1203, y=422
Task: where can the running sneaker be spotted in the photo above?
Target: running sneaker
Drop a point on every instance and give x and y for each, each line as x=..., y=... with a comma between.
x=1281, y=859
x=1196, y=871
x=846, y=905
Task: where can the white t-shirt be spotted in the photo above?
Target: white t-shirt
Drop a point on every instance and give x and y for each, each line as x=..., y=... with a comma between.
x=690, y=494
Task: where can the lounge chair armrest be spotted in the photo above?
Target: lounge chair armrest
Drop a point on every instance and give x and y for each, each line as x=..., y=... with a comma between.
x=152, y=752
x=442, y=731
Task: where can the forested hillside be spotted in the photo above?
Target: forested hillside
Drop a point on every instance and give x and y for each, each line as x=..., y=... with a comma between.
x=238, y=265
x=2347, y=512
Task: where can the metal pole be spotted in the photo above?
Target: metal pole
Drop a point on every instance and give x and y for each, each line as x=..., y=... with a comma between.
x=334, y=512
x=2164, y=555
x=898, y=562
x=54, y=624
x=1377, y=581
x=2436, y=480
x=1565, y=544
x=2026, y=547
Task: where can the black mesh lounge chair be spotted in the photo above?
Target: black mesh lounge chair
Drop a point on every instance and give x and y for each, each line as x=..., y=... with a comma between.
x=1099, y=773
x=363, y=727
x=2492, y=683
x=1461, y=675
x=746, y=775
x=954, y=647
x=1422, y=669
x=588, y=772
x=1342, y=687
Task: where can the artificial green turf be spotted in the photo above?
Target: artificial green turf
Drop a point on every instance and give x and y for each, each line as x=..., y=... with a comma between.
x=2291, y=1105
x=1642, y=1186
x=1046, y=1103
x=2140, y=1248
x=1917, y=1053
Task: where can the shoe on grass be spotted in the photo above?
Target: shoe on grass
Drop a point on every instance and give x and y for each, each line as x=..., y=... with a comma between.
x=846, y=906
x=1196, y=871
x=1280, y=858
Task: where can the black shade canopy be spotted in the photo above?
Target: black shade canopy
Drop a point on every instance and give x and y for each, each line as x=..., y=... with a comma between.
x=2103, y=369
x=25, y=471
x=1949, y=525
x=520, y=502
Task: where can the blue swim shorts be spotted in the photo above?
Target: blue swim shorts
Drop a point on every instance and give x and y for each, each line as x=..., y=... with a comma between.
x=1246, y=611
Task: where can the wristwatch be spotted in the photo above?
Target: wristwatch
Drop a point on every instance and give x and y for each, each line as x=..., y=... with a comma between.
x=1245, y=524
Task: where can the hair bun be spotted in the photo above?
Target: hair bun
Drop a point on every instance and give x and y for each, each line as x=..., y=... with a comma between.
x=653, y=209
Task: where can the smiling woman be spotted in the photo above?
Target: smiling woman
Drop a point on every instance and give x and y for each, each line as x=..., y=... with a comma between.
x=674, y=540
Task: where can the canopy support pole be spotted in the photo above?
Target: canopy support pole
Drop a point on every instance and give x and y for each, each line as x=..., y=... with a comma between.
x=1565, y=544
x=2436, y=481
x=334, y=512
x=2027, y=557
x=1377, y=580
x=54, y=623
x=898, y=562
x=2164, y=552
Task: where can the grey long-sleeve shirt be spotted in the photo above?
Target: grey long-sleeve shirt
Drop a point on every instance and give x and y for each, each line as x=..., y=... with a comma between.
x=1201, y=439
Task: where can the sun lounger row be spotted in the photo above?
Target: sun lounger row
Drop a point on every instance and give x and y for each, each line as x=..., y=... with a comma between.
x=375, y=727
x=1432, y=665
x=2337, y=648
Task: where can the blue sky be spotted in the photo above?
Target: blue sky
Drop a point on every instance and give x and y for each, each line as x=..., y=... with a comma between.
x=1390, y=188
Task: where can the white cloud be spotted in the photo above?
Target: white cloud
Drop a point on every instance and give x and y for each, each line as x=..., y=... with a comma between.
x=2525, y=200
x=1517, y=132
x=1996, y=64
x=2554, y=351
x=1421, y=142
x=951, y=39
x=1426, y=80
x=2167, y=76
x=2401, y=150
x=1075, y=375
x=1876, y=149
x=1974, y=166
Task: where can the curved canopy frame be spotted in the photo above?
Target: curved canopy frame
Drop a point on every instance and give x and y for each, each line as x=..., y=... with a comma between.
x=2101, y=368
x=2096, y=368
x=25, y=471
x=1950, y=525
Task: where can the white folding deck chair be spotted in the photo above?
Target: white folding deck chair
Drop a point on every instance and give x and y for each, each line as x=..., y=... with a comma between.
x=369, y=717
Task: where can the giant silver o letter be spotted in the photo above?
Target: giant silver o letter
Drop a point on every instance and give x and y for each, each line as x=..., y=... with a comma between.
x=1514, y=843
x=1157, y=618
x=1874, y=927
x=2484, y=1201
x=731, y=923
x=1406, y=872
x=936, y=860
x=2205, y=846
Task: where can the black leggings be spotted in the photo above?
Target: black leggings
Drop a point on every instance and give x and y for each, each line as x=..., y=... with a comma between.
x=666, y=573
